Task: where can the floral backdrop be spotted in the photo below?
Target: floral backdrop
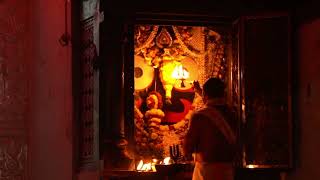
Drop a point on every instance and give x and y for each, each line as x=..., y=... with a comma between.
x=168, y=59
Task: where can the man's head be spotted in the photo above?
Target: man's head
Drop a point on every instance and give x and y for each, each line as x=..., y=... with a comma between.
x=213, y=88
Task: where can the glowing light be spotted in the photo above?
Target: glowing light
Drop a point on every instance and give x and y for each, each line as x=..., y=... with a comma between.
x=151, y=166
x=140, y=165
x=166, y=78
x=147, y=166
x=180, y=73
x=252, y=166
x=166, y=160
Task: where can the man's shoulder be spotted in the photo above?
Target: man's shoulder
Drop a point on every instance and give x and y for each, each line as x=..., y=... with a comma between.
x=203, y=109
x=200, y=114
x=207, y=111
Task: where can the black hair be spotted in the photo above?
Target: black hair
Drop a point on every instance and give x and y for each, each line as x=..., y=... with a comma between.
x=214, y=88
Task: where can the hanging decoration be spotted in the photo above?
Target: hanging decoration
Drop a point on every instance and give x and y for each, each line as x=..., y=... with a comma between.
x=164, y=39
x=144, y=36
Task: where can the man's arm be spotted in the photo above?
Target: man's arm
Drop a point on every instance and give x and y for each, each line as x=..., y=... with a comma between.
x=197, y=88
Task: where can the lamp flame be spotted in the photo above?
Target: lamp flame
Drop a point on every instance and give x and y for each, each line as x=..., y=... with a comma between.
x=146, y=166
x=151, y=166
x=166, y=161
x=139, y=167
x=180, y=73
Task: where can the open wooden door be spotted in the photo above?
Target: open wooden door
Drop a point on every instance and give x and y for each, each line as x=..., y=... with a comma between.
x=265, y=73
x=87, y=91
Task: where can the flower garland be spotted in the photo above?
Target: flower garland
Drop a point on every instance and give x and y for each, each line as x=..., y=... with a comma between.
x=186, y=49
x=149, y=40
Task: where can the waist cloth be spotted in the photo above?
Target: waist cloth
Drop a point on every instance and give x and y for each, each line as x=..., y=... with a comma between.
x=213, y=171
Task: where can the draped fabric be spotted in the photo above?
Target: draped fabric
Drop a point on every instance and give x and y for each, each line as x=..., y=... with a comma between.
x=213, y=171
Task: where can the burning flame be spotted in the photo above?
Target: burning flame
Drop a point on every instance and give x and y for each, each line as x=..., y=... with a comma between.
x=139, y=167
x=180, y=73
x=147, y=166
x=150, y=166
x=166, y=160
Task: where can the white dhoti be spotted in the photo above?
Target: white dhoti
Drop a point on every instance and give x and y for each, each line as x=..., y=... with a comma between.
x=213, y=171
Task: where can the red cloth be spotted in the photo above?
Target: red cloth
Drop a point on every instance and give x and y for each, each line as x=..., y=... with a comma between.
x=174, y=117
